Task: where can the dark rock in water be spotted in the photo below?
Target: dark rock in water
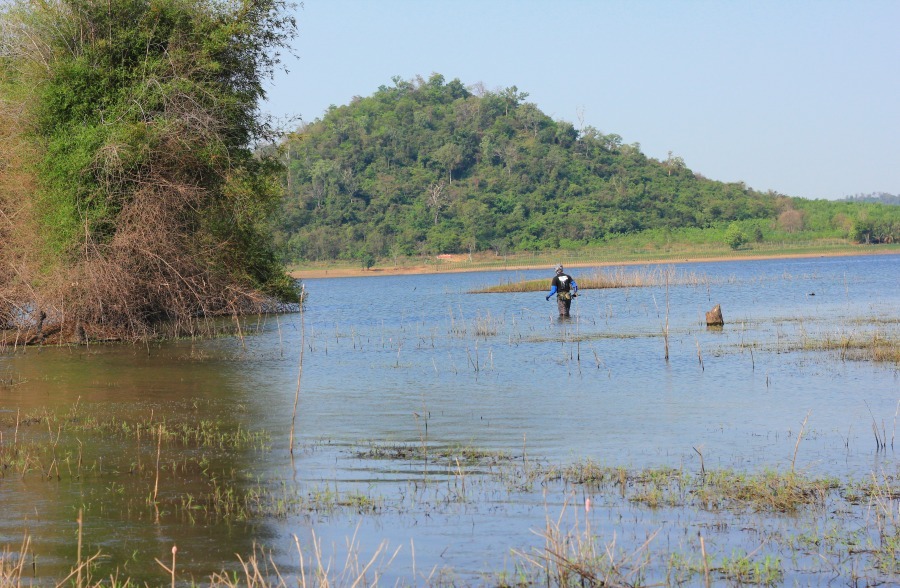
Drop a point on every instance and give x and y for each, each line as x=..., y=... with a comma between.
x=714, y=317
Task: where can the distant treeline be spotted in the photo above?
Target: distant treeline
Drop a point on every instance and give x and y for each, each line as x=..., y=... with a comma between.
x=429, y=166
x=881, y=197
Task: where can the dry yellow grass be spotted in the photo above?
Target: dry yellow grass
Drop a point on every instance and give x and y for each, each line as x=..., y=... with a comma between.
x=614, y=277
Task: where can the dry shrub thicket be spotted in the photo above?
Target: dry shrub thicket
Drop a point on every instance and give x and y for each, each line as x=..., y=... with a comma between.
x=158, y=267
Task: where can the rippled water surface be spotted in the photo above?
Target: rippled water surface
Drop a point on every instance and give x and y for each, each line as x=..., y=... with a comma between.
x=410, y=361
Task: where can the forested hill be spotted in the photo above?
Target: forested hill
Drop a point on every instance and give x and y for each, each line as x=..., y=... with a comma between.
x=427, y=166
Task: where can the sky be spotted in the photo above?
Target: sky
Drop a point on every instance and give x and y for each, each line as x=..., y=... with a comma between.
x=799, y=97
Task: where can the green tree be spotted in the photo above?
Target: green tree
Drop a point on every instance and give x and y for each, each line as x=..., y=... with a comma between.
x=150, y=197
x=449, y=156
x=735, y=236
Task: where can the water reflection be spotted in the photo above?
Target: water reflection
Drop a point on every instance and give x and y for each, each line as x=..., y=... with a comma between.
x=418, y=360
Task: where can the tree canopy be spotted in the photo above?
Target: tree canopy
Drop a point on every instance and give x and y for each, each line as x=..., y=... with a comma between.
x=430, y=166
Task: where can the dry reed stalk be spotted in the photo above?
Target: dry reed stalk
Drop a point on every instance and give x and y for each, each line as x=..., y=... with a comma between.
x=170, y=570
x=11, y=573
x=299, y=377
x=705, y=561
x=280, y=341
x=78, y=554
x=799, y=438
x=158, y=454
x=302, y=580
x=80, y=566
x=880, y=442
x=894, y=430
x=702, y=467
x=524, y=453
x=423, y=436
x=666, y=330
x=571, y=558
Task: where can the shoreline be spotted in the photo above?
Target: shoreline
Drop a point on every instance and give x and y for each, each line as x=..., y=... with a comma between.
x=346, y=272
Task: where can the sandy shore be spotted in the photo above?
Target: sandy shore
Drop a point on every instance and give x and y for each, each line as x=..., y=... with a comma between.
x=448, y=266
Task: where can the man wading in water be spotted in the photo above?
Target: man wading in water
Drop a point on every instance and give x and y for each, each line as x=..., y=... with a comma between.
x=565, y=288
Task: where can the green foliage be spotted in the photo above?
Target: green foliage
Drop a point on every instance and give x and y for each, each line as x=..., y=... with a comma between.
x=735, y=237
x=136, y=104
x=514, y=180
x=137, y=122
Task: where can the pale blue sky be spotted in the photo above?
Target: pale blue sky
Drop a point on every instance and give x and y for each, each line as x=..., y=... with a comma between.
x=800, y=97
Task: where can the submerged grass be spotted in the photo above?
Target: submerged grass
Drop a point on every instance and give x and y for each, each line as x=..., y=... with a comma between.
x=878, y=347
x=194, y=490
x=449, y=454
x=572, y=552
x=713, y=490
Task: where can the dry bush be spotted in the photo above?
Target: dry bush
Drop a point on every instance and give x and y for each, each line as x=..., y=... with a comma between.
x=158, y=268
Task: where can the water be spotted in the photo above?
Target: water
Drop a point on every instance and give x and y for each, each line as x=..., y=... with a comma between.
x=397, y=360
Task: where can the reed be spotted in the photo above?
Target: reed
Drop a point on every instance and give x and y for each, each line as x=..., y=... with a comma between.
x=299, y=380
x=799, y=438
x=12, y=564
x=880, y=347
x=486, y=326
x=573, y=556
x=168, y=569
x=618, y=277
x=666, y=328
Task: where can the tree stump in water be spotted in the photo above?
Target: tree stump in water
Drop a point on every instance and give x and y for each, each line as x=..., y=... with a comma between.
x=714, y=317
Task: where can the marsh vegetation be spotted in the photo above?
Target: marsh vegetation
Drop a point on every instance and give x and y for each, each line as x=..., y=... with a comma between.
x=459, y=438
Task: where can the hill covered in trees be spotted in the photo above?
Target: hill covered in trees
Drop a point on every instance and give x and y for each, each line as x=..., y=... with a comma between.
x=430, y=166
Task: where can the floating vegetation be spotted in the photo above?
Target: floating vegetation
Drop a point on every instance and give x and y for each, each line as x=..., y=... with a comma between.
x=196, y=492
x=618, y=277
x=876, y=347
x=452, y=455
x=767, y=491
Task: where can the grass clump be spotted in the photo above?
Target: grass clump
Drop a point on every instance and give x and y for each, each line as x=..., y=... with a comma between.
x=765, y=492
x=768, y=491
x=618, y=277
x=451, y=455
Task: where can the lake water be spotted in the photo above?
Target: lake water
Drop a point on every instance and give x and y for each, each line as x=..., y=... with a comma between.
x=410, y=361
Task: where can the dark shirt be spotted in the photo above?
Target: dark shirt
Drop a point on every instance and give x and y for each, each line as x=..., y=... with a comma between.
x=562, y=282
